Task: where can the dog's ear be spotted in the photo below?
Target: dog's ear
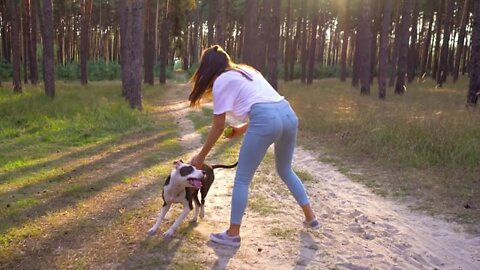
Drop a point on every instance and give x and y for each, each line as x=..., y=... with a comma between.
x=177, y=163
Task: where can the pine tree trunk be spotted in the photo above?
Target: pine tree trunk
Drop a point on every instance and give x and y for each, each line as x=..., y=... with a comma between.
x=438, y=33
x=86, y=10
x=26, y=38
x=164, y=43
x=220, y=22
x=461, y=39
x=383, y=54
x=273, y=41
x=365, y=40
x=16, y=65
x=396, y=45
x=474, y=87
x=212, y=17
x=250, y=28
x=313, y=42
x=287, y=57
x=124, y=40
x=48, y=50
x=356, y=62
x=443, y=66
x=403, y=46
x=343, y=59
x=135, y=49
x=149, y=50
x=293, y=51
x=412, y=53
x=33, y=45
x=303, y=55
x=427, y=43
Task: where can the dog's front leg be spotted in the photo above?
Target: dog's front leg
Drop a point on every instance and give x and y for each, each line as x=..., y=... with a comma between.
x=160, y=218
x=178, y=221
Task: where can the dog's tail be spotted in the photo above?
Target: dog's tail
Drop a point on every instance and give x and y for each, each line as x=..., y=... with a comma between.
x=221, y=166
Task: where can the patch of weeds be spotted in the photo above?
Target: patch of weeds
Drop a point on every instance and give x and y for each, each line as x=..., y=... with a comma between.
x=188, y=264
x=343, y=170
x=261, y=205
x=304, y=176
x=283, y=233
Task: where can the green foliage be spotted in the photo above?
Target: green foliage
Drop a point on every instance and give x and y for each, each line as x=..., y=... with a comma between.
x=5, y=70
x=97, y=71
x=321, y=71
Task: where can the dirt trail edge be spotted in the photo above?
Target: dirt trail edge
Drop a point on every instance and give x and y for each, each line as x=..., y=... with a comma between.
x=360, y=230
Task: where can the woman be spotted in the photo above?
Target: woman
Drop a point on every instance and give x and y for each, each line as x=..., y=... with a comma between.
x=245, y=94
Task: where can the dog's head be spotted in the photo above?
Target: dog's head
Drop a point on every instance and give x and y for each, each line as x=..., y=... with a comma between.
x=187, y=175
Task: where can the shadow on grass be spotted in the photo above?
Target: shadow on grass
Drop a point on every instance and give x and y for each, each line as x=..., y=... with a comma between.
x=62, y=159
x=80, y=183
x=79, y=233
x=157, y=252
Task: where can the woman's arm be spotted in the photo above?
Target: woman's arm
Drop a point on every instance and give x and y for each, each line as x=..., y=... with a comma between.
x=218, y=123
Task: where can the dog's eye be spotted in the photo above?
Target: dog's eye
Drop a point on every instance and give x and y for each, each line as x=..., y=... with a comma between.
x=186, y=170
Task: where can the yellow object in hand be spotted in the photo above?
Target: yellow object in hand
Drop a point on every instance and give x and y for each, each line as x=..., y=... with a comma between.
x=228, y=131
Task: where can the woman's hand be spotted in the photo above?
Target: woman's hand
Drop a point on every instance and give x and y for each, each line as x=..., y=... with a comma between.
x=197, y=162
x=237, y=131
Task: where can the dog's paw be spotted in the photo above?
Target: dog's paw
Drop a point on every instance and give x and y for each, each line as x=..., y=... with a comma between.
x=202, y=213
x=152, y=230
x=168, y=234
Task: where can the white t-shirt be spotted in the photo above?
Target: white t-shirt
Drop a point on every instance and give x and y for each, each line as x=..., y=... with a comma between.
x=235, y=94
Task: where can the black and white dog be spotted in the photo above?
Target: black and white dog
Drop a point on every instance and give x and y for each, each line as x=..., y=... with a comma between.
x=182, y=186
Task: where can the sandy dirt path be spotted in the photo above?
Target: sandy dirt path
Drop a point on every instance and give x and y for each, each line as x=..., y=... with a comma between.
x=360, y=230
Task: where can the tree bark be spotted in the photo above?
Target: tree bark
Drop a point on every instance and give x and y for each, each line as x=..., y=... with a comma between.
x=365, y=42
x=474, y=87
x=273, y=11
x=461, y=39
x=16, y=80
x=149, y=50
x=124, y=40
x=86, y=11
x=383, y=54
x=26, y=38
x=303, y=42
x=426, y=46
x=33, y=45
x=212, y=17
x=134, y=34
x=220, y=22
x=438, y=33
x=313, y=42
x=250, y=36
x=443, y=66
x=48, y=51
x=412, y=53
x=403, y=46
x=164, y=43
x=343, y=59
x=287, y=56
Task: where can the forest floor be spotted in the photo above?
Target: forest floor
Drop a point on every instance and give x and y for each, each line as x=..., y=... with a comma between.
x=96, y=215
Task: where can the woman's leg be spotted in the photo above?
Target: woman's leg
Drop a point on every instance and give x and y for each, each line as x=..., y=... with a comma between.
x=284, y=148
x=252, y=151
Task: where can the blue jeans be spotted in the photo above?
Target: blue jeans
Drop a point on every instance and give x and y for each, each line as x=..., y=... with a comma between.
x=270, y=123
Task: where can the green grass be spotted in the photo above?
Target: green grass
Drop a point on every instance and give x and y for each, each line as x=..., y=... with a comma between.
x=425, y=141
x=59, y=157
x=32, y=124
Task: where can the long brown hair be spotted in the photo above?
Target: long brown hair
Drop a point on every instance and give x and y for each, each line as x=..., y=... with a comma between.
x=214, y=62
